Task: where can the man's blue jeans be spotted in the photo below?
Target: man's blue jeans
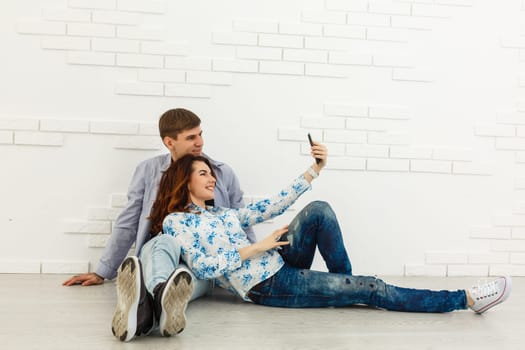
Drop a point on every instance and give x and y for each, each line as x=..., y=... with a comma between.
x=160, y=256
x=295, y=285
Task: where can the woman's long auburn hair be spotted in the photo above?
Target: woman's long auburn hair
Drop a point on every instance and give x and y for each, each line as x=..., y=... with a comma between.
x=173, y=194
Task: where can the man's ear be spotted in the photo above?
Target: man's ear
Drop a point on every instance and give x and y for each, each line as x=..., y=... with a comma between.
x=168, y=142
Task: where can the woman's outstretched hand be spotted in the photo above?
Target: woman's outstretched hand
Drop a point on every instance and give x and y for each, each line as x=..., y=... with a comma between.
x=319, y=151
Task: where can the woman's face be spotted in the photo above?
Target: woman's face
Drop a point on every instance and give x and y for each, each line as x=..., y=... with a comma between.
x=202, y=183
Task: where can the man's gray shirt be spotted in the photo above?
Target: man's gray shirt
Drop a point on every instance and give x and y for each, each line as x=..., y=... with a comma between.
x=133, y=226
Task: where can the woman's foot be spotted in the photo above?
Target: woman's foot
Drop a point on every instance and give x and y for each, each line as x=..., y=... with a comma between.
x=487, y=295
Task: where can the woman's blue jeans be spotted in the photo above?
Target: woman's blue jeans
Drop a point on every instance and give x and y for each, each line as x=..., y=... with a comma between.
x=295, y=285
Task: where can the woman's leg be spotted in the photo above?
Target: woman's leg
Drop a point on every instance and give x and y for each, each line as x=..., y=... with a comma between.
x=300, y=288
x=316, y=226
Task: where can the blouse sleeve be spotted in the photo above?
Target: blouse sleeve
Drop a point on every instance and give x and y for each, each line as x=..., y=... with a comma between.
x=271, y=207
x=204, y=264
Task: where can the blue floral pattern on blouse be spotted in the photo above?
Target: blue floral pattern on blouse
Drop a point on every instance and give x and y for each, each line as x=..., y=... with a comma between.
x=211, y=237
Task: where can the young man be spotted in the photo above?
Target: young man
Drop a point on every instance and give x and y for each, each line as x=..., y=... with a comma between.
x=181, y=134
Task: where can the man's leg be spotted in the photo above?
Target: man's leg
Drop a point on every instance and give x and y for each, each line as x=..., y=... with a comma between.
x=134, y=312
x=170, y=285
x=316, y=226
x=160, y=257
x=200, y=287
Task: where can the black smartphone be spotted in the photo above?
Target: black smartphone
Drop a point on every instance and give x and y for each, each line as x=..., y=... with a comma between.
x=317, y=160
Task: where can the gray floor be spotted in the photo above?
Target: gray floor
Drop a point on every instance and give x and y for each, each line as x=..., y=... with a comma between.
x=38, y=313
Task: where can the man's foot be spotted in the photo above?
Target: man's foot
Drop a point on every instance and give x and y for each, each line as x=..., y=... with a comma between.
x=171, y=300
x=488, y=295
x=134, y=313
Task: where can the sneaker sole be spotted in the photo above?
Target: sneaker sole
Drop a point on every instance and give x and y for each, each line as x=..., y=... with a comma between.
x=174, y=302
x=124, y=324
x=502, y=298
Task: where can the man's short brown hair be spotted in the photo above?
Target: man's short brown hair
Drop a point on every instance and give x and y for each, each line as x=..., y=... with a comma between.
x=175, y=121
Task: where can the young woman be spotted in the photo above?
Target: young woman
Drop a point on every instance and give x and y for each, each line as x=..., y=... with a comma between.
x=276, y=270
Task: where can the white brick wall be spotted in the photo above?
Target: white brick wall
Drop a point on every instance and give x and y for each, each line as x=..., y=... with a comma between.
x=118, y=200
x=113, y=127
x=350, y=58
x=116, y=17
x=91, y=30
x=64, y=125
x=40, y=28
x=151, y=6
x=94, y=4
x=66, y=15
x=235, y=38
x=115, y=45
x=69, y=267
x=239, y=66
x=87, y=226
x=431, y=166
x=20, y=266
x=275, y=40
x=287, y=68
x=19, y=124
x=306, y=29
x=188, y=63
x=139, y=143
x=446, y=258
x=162, y=75
x=343, y=5
x=139, y=33
x=183, y=90
x=396, y=165
x=305, y=55
x=38, y=138
x=425, y=270
x=360, y=71
x=490, y=232
x=164, y=48
x=346, y=110
x=65, y=43
x=6, y=137
x=91, y=58
x=410, y=152
x=467, y=270
x=140, y=89
x=344, y=31
x=256, y=26
x=212, y=78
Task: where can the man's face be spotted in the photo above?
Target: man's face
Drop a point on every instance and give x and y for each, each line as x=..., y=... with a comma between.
x=188, y=141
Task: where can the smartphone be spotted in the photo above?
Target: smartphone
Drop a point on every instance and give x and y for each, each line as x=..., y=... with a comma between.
x=317, y=160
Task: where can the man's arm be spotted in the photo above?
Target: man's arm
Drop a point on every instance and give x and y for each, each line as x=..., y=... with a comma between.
x=123, y=236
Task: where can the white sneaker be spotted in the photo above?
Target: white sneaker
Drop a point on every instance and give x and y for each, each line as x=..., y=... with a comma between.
x=171, y=299
x=490, y=294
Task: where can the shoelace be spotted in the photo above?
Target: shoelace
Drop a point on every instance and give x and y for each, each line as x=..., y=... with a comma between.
x=484, y=290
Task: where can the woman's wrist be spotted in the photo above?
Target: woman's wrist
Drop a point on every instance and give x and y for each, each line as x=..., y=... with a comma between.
x=314, y=174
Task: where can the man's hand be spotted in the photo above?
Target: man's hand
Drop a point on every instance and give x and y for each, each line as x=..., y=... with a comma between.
x=87, y=279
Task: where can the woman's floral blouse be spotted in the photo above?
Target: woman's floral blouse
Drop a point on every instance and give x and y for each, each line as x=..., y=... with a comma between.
x=211, y=237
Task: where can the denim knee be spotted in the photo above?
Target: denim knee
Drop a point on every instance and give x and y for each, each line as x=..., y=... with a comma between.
x=161, y=243
x=319, y=208
x=169, y=244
